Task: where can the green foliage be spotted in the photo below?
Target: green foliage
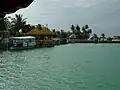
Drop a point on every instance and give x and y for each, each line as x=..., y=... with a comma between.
x=81, y=34
x=109, y=39
x=19, y=22
x=3, y=24
x=86, y=26
x=102, y=36
x=39, y=26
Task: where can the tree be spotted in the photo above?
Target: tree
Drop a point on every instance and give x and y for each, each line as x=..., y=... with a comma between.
x=89, y=31
x=73, y=28
x=109, y=39
x=18, y=23
x=18, y=19
x=86, y=26
x=95, y=35
x=32, y=27
x=63, y=34
x=86, y=31
x=58, y=33
x=78, y=32
x=3, y=23
x=7, y=23
x=77, y=28
x=54, y=30
x=103, y=36
x=62, y=31
x=83, y=29
x=27, y=28
x=95, y=38
x=39, y=26
x=69, y=33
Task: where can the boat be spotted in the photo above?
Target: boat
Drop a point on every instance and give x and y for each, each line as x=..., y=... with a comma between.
x=72, y=41
x=18, y=43
x=63, y=41
x=56, y=41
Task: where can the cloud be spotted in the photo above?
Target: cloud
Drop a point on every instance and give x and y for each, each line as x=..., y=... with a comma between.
x=101, y=15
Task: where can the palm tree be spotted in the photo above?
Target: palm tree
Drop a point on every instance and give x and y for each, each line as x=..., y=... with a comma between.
x=86, y=31
x=18, y=22
x=63, y=34
x=109, y=39
x=89, y=31
x=73, y=28
x=62, y=31
x=7, y=23
x=86, y=26
x=78, y=32
x=95, y=37
x=39, y=26
x=27, y=28
x=54, y=30
x=69, y=33
x=83, y=29
x=103, y=36
x=32, y=27
x=77, y=28
x=58, y=33
x=19, y=19
x=3, y=23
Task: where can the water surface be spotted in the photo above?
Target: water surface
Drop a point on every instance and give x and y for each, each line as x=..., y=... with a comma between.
x=65, y=67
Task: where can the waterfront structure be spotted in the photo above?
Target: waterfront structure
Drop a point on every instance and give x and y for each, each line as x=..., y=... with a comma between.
x=25, y=42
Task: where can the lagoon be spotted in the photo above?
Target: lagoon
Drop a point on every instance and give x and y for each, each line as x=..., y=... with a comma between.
x=65, y=67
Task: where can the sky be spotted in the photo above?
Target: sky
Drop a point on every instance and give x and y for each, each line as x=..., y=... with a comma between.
x=102, y=16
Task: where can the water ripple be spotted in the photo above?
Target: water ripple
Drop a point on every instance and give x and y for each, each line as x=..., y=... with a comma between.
x=60, y=68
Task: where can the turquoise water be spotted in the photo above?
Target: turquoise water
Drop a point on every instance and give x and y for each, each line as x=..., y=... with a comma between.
x=65, y=67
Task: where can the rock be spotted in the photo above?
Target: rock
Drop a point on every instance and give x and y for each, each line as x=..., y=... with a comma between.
x=11, y=6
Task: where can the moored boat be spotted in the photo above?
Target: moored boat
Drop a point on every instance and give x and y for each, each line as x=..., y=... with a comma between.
x=56, y=41
x=63, y=41
x=18, y=43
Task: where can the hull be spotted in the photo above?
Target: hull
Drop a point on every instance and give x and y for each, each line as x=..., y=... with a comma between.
x=20, y=48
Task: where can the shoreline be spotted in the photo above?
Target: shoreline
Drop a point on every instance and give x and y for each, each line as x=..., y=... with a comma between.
x=97, y=42
x=72, y=41
x=90, y=41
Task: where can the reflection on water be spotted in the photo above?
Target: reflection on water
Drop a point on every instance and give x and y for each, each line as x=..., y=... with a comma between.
x=71, y=67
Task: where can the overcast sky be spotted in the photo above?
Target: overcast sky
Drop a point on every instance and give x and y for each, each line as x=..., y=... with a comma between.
x=100, y=15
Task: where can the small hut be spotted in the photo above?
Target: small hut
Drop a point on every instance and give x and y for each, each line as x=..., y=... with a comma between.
x=45, y=32
x=34, y=32
x=43, y=36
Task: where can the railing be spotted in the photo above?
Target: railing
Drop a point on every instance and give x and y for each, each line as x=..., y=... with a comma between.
x=45, y=42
